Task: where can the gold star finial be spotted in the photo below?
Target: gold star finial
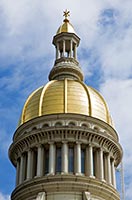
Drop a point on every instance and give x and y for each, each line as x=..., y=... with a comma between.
x=66, y=15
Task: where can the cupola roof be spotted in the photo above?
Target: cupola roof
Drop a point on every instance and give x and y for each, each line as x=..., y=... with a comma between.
x=66, y=27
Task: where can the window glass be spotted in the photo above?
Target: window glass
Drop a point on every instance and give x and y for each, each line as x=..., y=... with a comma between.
x=34, y=162
x=58, y=159
x=71, y=159
x=82, y=160
x=46, y=161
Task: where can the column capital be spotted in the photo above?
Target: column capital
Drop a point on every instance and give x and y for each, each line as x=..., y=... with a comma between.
x=100, y=149
x=29, y=149
x=39, y=145
x=64, y=142
x=107, y=153
x=78, y=142
x=51, y=142
x=90, y=145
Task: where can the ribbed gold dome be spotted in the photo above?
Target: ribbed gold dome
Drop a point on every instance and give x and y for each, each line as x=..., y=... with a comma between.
x=66, y=27
x=65, y=96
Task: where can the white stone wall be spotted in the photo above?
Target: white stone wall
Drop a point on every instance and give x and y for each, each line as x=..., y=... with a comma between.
x=64, y=196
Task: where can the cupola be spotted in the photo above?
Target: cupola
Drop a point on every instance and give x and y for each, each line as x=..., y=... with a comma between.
x=66, y=42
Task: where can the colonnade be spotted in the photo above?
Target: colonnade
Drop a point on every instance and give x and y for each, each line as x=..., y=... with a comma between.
x=66, y=48
x=86, y=160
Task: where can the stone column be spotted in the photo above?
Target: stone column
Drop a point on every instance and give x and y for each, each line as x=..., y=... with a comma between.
x=108, y=168
x=21, y=175
x=52, y=158
x=96, y=163
x=63, y=48
x=113, y=174
x=40, y=161
x=57, y=51
x=71, y=47
x=17, y=172
x=78, y=158
x=101, y=164
x=30, y=164
x=65, y=157
x=75, y=51
x=89, y=161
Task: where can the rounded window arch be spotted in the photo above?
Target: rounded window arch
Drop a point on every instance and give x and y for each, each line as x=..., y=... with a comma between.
x=96, y=128
x=72, y=124
x=46, y=125
x=57, y=124
x=84, y=125
x=34, y=128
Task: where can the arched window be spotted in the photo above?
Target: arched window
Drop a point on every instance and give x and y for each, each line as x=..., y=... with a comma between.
x=46, y=125
x=96, y=128
x=72, y=124
x=71, y=159
x=58, y=159
x=46, y=161
x=34, y=128
x=84, y=125
x=58, y=124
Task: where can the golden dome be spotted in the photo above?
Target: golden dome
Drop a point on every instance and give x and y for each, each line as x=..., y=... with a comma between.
x=65, y=96
x=66, y=27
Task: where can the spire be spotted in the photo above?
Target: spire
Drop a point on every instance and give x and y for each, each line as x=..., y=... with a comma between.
x=66, y=42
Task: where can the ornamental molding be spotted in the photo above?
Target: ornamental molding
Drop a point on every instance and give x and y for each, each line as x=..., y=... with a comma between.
x=59, y=183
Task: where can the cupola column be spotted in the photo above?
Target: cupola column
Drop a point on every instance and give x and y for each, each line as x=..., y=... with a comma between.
x=64, y=48
x=21, y=179
x=75, y=51
x=17, y=172
x=89, y=161
x=101, y=165
x=40, y=161
x=71, y=47
x=57, y=51
x=108, y=168
x=78, y=158
x=96, y=163
x=30, y=164
x=65, y=157
x=113, y=173
x=51, y=158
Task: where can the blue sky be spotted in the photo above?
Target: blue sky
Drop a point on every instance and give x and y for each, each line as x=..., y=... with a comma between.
x=27, y=55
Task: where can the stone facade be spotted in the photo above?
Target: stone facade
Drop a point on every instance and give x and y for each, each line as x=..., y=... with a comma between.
x=96, y=154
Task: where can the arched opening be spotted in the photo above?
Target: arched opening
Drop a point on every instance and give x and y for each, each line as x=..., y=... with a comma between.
x=71, y=124
x=58, y=124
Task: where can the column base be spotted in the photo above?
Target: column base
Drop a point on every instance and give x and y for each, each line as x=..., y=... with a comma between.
x=91, y=176
x=79, y=174
x=64, y=173
x=50, y=174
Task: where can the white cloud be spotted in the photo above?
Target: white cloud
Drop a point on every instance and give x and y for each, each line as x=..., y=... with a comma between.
x=4, y=197
x=5, y=141
x=118, y=94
